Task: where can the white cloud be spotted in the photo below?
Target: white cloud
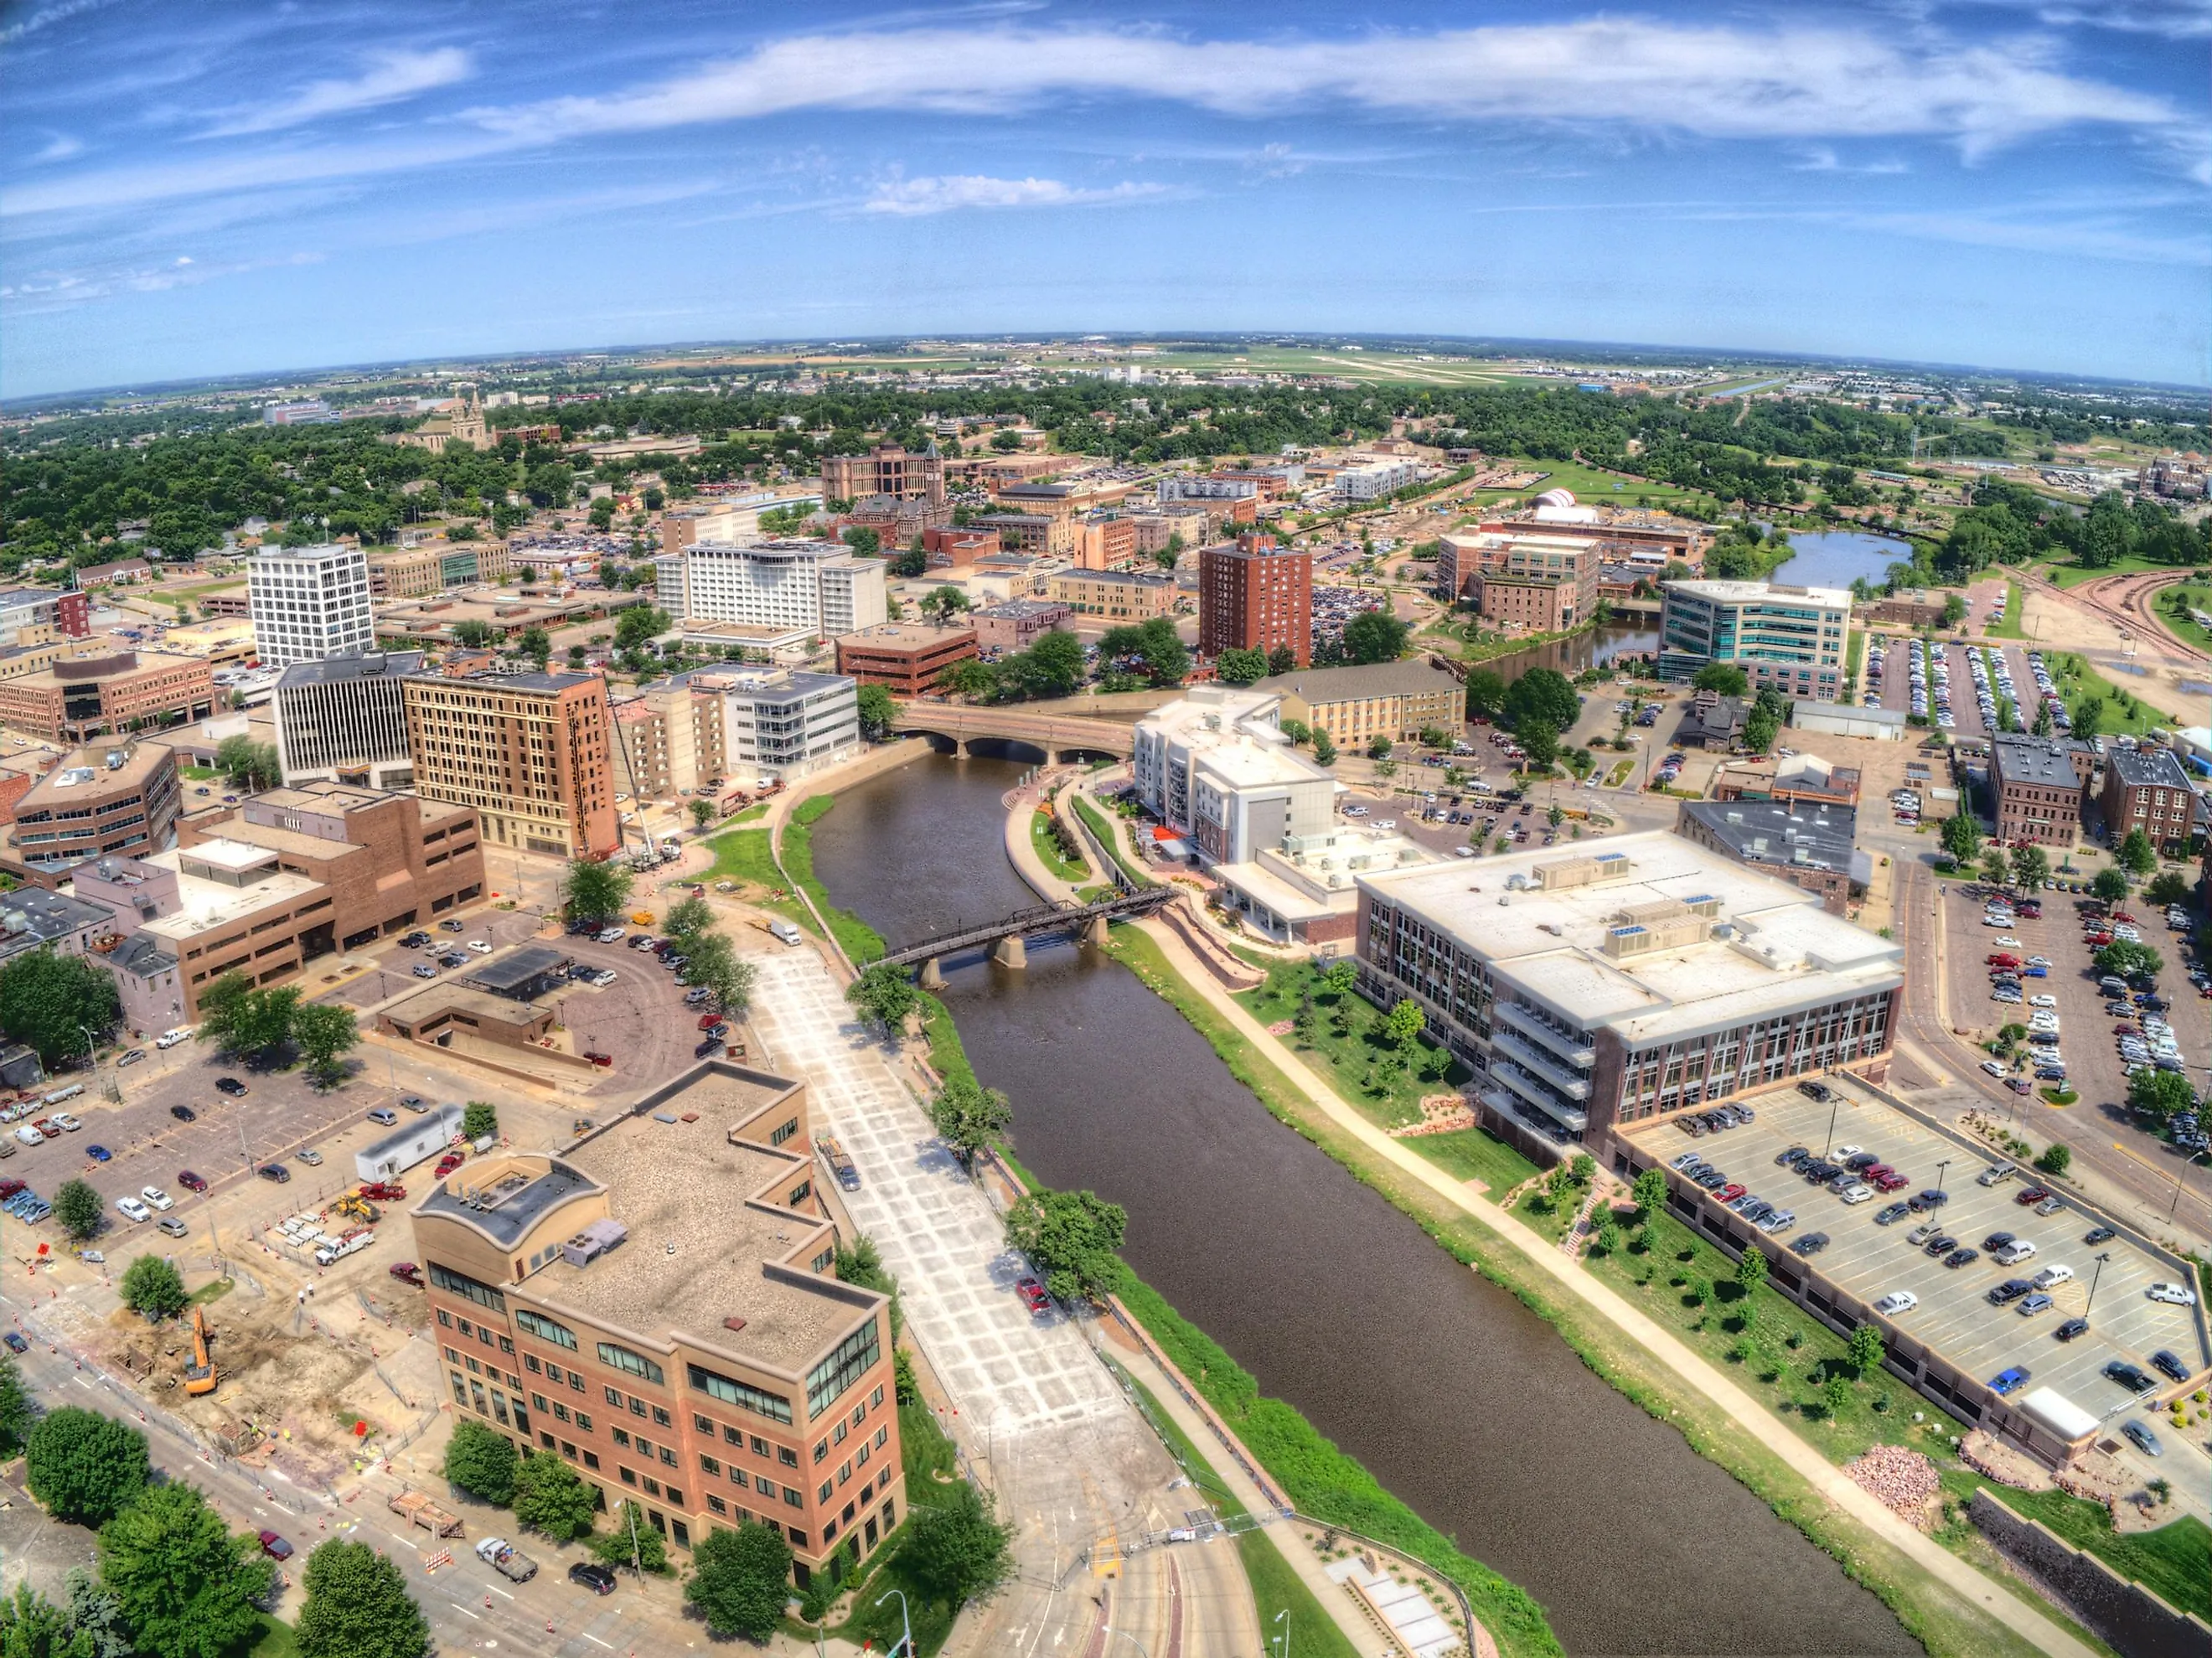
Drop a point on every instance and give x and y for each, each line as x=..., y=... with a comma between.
x=912, y=197
x=60, y=148
x=46, y=17
x=1821, y=158
x=389, y=78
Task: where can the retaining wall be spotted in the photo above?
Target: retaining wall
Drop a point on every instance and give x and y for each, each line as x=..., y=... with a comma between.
x=2133, y=1618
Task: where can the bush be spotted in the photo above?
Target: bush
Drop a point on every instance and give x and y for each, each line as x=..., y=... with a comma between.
x=2054, y=1160
x=551, y=1498
x=739, y=1580
x=84, y=1467
x=480, y=1118
x=480, y=1462
x=631, y=1538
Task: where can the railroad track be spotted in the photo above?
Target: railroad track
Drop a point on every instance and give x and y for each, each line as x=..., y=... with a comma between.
x=2124, y=601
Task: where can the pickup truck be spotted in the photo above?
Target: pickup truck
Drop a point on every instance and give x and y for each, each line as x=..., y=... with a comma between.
x=330, y=1254
x=509, y=1561
x=839, y=1164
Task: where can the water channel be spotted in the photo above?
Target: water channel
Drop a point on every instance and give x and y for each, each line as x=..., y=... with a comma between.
x=1460, y=1400
x=1835, y=558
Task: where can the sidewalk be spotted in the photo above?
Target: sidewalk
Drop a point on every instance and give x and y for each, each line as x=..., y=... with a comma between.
x=1825, y=1478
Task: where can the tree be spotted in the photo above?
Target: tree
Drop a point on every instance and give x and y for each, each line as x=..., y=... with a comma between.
x=739, y=1580
x=1072, y=1236
x=2127, y=961
x=639, y=626
x=2088, y=718
x=1239, y=667
x=1542, y=695
x=1995, y=870
x=31, y=1626
x=1539, y=746
x=1835, y=1395
x=1403, y=1023
x=882, y=995
x=96, y=1615
x=959, y=1548
x=1486, y=694
x=1378, y=748
x=968, y=1116
x=185, y=1581
x=480, y=1462
x=550, y=1497
x=877, y=710
x=863, y=540
x=1053, y=666
x=153, y=1287
x=2110, y=884
x=2031, y=867
x=1866, y=1349
x=1751, y=1270
x=1435, y=737
x=687, y=919
x=2167, y=887
x=2160, y=1095
x=862, y=1263
x=1282, y=659
x=1342, y=977
x=2045, y=725
x=1759, y=729
x=1723, y=677
x=323, y=1031
x=1375, y=636
x=2056, y=1159
x=84, y=1467
x=357, y=1605
x=478, y=1119
x=78, y=1207
x=942, y=603
x=535, y=644
x=15, y=1411
x=2135, y=853
x=247, y=765
x=632, y=1539
x=49, y=1002
x=716, y=966
x=1324, y=748
x=593, y=892
x=1650, y=1191
x=472, y=635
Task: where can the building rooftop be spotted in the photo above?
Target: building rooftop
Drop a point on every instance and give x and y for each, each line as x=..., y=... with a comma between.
x=1749, y=592
x=336, y=669
x=513, y=681
x=518, y=969
x=2042, y=759
x=101, y=768
x=2139, y=768
x=1016, y=609
x=1801, y=835
x=906, y=635
x=1647, y=933
x=31, y=916
x=204, y=905
x=1406, y=678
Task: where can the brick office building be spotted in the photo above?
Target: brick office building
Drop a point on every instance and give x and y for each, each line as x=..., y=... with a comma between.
x=2037, y=783
x=80, y=698
x=1255, y=594
x=888, y=469
x=532, y=753
x=98, y=802
x=908, y=656
x=2146, y=789
x=711, y=1367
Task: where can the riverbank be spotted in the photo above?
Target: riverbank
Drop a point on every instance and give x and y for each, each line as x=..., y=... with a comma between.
x=1945, y=1604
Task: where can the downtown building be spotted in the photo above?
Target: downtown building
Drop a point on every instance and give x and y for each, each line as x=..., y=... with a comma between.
x=1589, y=991
x=1791, y=638
x=819, y=588
x=1255, y=594
x=531, y=753
x=309, y=603
x=344, y=720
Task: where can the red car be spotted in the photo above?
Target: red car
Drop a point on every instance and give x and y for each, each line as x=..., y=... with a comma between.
x=447, y=1164
x=2003, y=959
x=190, y=1181
x=274, y=1546
x=1729, y=1193
x=2121, y=915
x=1033, y=1296
x=2035, y=1194
x=1891, y=1183
x=384, y=1191
x=407, y=1273
x=708, y=1021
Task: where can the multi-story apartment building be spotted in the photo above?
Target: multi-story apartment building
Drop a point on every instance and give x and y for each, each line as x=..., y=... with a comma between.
x=1791, y=638
x=787, y=725
x=1544, y=583
x=1354, y=706
x=1106, y=541
x=1018, y=623
x=2039, y=784
x=888, y=469
x=344, y=719
x=1054, y=537
x=1372, y=477
x=1215, y=766
x=908, y=656
x=1119, y=596
x=815, y=584
x=309, y=603
x=69, y=614
x=672, y=736
x=1591, y=989
x=2147, y=789
x=98, y=802
x=657, y=1303
x=1255, y=594
x=263, y=889
x=77, y=699
x=532, y=753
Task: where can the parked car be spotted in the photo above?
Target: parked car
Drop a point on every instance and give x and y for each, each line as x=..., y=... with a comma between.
x=1033, y=1295
x=99, y=1153
x=273, y=1171
x=2173, y=1295
x=407, y=1273
x=2129, y=1377
x=588, y=1574
x=1811, y=1244
x=1896, y=1301
x=231, y=1086
x=2167, y=1365
x=171, y=1226
x=2072, y=1327
x=2034, y=1303
x=2141, y=1437
x=190, y=1181
x=274, y=1546
x=184, y=1113
x=2009, y=1380
x=133, y=1209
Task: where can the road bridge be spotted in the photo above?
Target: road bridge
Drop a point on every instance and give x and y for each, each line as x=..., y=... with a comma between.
x=1059, y=737
x=1006, y=936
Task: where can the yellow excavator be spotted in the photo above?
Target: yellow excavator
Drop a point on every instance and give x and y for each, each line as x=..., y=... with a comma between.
x=354, y=1207
x=200, y=1375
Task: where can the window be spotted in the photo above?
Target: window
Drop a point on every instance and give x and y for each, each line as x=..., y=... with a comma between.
x=774, y=1407
x=659, y=1416
x=583, y=1423
x=855, y=1356
x=453, y=1355
x=614, y=1397
x=760, y=1446
x=876, y=1399
x=538, y=1402
x=667, y=1456
x=467, y=1288
x=794, y=1499
x=715, y=1505
x=763, y=1484
x=702, y=1425
x=445, y=1318
x=617, y=1357
x=552, y=1372
x=629, y=1477
x=644, y=1446
x=637, y=1407
x=506, y=1345
x=622, y=1438
x=822, y=1495
x=591, y=1459
x=466, y=1328
x=460, y=1389
x=652, y=1489
x=709, y=1464
x=837, y=1434
x=788, y=1456
x=560, y=1412
x=530, y=1363
x=546, y=1330
x=569, y=1450
x=575, y=1381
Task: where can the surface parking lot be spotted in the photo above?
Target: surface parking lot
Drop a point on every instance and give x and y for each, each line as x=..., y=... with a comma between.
x=1865, y=1261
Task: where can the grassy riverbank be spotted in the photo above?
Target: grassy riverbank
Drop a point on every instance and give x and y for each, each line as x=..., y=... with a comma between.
x=861, y=942
x=1070, y=870
x=1103, y=828
x=1927, y=1608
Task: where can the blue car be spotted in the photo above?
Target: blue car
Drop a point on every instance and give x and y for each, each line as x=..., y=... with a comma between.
x=98, y=1153
x=2008, y=1381
x=2037, y=972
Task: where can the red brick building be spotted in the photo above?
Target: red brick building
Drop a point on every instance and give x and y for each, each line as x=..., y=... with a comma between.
x=908, y=656
x=2037, y=784
x=2146, y=789
x=1256, y=595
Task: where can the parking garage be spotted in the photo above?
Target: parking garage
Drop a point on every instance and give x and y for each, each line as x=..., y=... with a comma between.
x=1955, y=1342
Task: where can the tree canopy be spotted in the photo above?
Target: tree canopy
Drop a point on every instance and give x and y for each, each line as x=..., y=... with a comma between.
x=1073, y=1237
x=58, y=1005
x=595, y=891
x=85, y=1466
x=185, y=1582
x=1542, y=693
x=480, y=1461
x=357, y=1605
x=552, y=1499
x=1375, y=636
x=958, y=1548
x=152, y=1286
x=968, y=1116
x=740, y=1580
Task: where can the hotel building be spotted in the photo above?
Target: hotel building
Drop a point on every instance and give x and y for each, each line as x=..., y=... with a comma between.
x=531, y=752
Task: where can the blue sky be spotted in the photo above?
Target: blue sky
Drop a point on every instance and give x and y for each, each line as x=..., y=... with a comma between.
x=217, y=188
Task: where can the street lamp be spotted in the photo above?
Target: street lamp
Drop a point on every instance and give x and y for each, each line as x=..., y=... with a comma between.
x=906, y=1624
x=1110, y=1630
x=1283, y=1617
x=1837, y=1105
x=2177, y=1174
x=2103, y=1255
x=1940, y=1168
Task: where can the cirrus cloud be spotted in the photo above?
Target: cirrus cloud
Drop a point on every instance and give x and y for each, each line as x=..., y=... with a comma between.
x=914, y=198
x=389, y=78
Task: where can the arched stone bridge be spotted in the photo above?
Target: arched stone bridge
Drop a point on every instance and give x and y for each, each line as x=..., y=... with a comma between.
x=1057, y=737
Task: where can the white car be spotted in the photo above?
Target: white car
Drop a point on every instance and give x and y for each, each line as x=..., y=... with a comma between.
x=1386, y=822
x=1993, y=1067
x=2043, y=1001
x=63, y=1120
x=481, y=946
x=2172, y=1294
x=156, y=1198
x=1897, y=1300
x=133, y=1210
x=169, y=1038
x=1858, y=1192
x=30, y=1136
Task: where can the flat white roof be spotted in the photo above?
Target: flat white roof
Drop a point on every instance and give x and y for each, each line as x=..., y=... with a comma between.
x=206, y=905
x=1752, y=592
x=1245, y=762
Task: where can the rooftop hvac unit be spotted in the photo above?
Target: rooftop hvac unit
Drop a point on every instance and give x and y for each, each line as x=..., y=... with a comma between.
x=594, y=1240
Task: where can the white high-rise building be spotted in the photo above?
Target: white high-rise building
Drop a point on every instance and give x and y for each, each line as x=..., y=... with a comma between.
x=818, y=586
x=344, y=720
x=309, y=604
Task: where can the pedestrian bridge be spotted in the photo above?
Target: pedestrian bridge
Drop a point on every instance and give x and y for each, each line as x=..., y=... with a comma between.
x=1058, y=737
x=1006, y=935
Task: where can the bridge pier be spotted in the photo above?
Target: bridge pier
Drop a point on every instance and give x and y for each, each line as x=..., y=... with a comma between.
x=1094, y=931
x=1011, y=952
x=931, y=977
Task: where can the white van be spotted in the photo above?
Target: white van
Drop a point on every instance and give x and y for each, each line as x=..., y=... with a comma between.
x=784, y=932
x=2052, y=1276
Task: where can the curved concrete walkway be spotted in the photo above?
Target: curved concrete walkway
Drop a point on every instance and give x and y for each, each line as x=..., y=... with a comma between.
x=1825, y=1478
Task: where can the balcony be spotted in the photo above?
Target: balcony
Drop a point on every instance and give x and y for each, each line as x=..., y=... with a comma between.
x=1572, y=1084
x=1530, y=1022
x=1550, y=1104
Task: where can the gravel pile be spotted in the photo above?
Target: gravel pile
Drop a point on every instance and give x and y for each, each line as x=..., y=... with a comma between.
x=1901, y=1481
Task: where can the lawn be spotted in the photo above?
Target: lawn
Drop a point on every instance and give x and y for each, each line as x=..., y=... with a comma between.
x=1781, y=1355
x=743, y=856
x=2124, y=710
x=861, y=942
x=199, y=773
x=1341, y=1038
x=2186, y=627
x=1048, y=852
x=274, y=1639
x=2073, y=575
x=1110, y=837
x=1476, y=1154
x=2175, y=1561
x=1276, y=1586
x=2009, y=628
x=1589, y=485
x=931, y=1468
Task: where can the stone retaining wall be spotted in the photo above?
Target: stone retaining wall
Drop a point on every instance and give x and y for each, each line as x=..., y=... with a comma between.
x=2134, y=1620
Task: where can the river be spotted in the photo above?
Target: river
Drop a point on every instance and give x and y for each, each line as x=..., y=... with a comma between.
x=1461, y=1400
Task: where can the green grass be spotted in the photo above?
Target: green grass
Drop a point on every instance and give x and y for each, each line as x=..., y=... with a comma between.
x=2073, y=575
x=742, y=855
x=1322, y=1482
x=212, y=1292
x=2078, y=682
x=924, y=1454
x=1853, y=651
x=1276, y=1585
x=1108, y=838
x=1589, y=485
x=861, y=942
x=1048, y=852
x=1341, y=1043
x=1476, y=1154
x=2175, y=1561
x=2009, y=628
x=2185, y=626
x=948, y=1057
x=274, y=1639
x=199, y=773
